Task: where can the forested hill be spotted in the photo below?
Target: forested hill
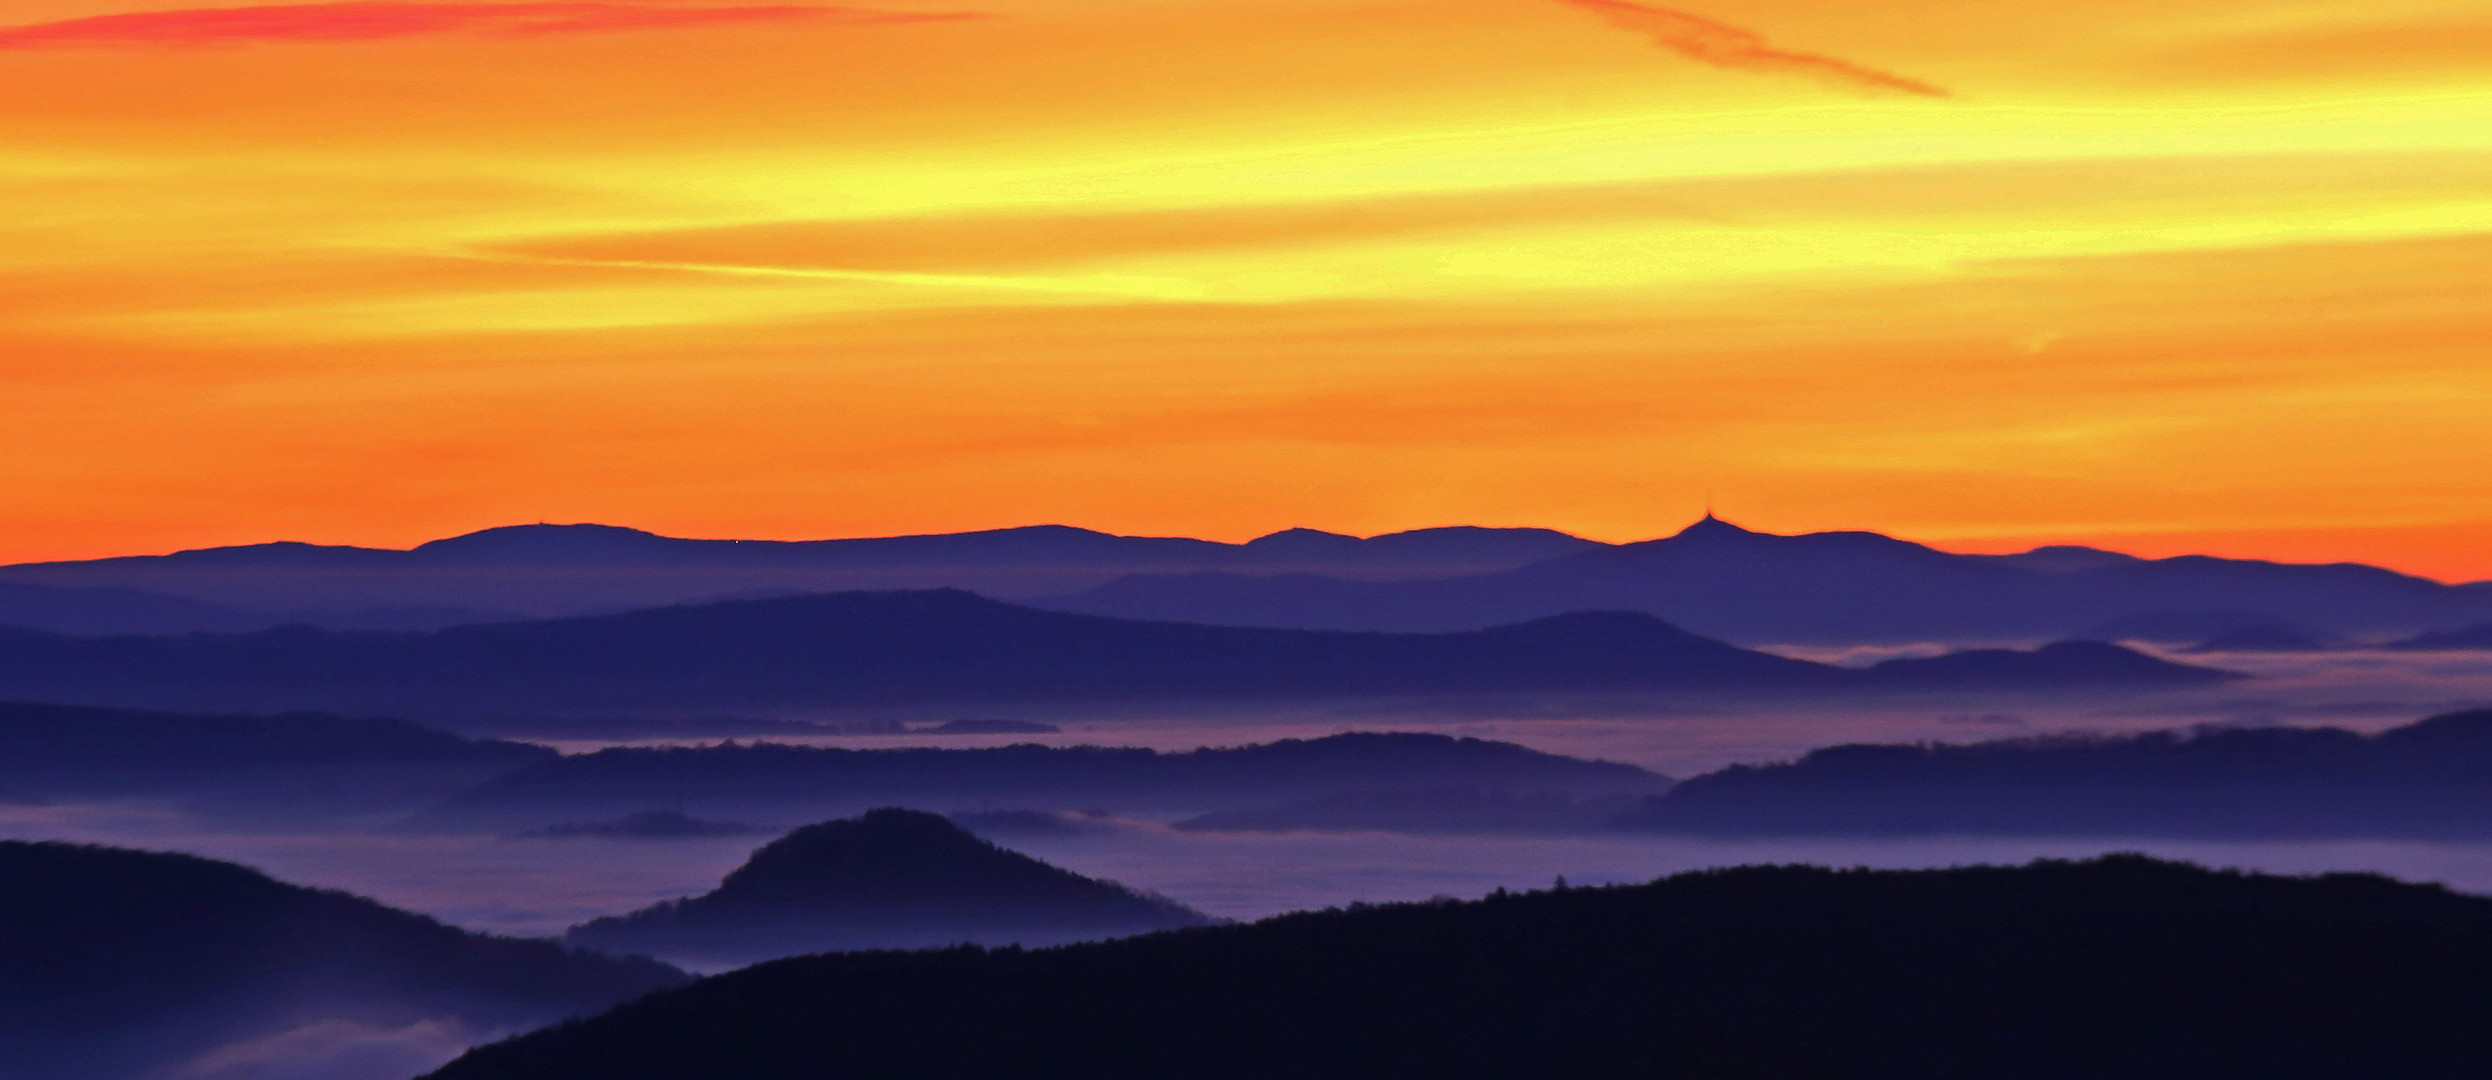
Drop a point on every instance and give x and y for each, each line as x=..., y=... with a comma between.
x=892, y=878
x=117, y=963
x=2119, y=967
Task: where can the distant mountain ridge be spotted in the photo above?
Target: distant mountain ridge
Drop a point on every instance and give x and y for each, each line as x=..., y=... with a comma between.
x=1713, y=577
x=532, y=571
x=892, y=878
x=947, y=646
x=1723, y=581
x=116, y=964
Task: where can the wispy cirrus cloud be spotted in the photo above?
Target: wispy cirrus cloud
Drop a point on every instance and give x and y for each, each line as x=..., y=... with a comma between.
x=372, y=21
x=1723, y=45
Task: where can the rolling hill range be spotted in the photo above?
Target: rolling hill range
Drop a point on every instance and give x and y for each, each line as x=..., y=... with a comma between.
x=890, y=879
x=1720, y=580
x=527, y=571
x=2428, y=780
x=1713, y=578
x=774, y=783
x=946, y=646
x=2122, y=966
x=312, y=770
x=119, y=964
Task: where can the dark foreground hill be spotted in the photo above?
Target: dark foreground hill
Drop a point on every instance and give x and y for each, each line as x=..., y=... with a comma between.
x=770, y=782
x=114, y=963
x=2430, y=779
x=1723, y=581
x=945, y=647
x=2119, y=967
x=892, y=878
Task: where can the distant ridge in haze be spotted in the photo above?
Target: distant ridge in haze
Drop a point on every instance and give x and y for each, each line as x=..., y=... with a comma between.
x=2429, y=779
x=945, y=647
x=2477, y=636
x=1713, y=577
x=769, y=782
x=1724, y=581
x=313, y=770
x=551, y=570
x=892, y=878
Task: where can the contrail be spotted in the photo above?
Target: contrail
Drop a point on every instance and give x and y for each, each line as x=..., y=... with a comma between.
x=1708, y=42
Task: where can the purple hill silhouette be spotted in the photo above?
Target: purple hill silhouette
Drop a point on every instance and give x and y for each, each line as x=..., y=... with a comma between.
x=525, y=571
x=946, y=646
x=2432, y=778
x=893, y=878
x=2477, y=636
x=1723, y=581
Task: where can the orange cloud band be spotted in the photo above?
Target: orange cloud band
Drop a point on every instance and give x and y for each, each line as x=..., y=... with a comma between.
x=377, y=21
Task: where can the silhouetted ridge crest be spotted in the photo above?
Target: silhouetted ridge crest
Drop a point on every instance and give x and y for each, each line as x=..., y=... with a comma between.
x=2121, y=966
x=1724, y=581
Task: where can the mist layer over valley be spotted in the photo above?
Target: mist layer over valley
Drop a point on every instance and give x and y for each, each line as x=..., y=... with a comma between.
x=688, y=782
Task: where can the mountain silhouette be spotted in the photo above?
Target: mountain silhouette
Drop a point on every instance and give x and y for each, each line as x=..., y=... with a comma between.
x=2429, y=779
x=2061, y=664
x=1423, y=810
x=2121, y=966
x=549, y=570
x=2477, y=636
x=1723, y=581
x=768, y=782
x=893, y=878
x=116, y=964
x=108, y=610
x=1713, y=577
x=940, y=647
x=315, y=769
x=2263, y=637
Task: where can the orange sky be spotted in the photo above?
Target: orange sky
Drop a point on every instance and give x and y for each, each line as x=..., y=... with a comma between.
x=2167, y=276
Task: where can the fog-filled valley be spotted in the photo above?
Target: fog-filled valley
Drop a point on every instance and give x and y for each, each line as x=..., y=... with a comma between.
x=731, y=781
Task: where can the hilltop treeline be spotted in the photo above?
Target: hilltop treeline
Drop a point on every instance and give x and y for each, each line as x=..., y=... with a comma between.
x=2122, y=966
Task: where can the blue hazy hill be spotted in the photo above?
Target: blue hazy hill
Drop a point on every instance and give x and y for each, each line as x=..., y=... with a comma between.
x=947, y=646
x=2429, y=779
x=764, y=781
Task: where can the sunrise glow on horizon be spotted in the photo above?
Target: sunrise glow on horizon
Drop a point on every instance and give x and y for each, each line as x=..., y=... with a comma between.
x=2196, y=275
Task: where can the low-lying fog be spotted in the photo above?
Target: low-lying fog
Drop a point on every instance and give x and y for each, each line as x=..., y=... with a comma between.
x=541, y=886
